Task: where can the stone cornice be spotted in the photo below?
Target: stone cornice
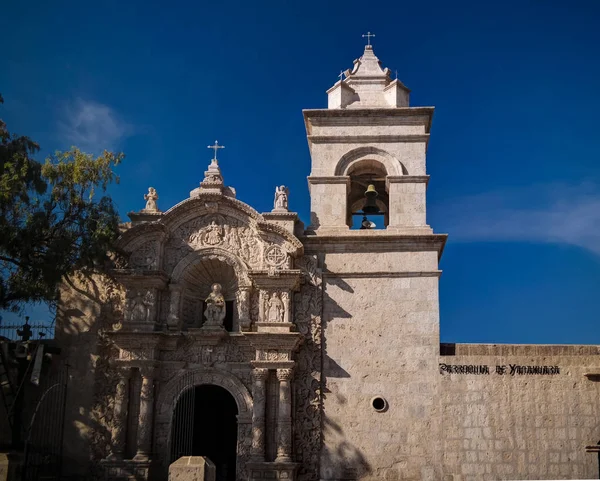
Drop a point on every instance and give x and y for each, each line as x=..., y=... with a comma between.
x=149, y=278
x=279, y=279
x=406, y=179
x=367, y=115
x=330, y=179
x=358, y=139
x=382, y=274
x=375, y=241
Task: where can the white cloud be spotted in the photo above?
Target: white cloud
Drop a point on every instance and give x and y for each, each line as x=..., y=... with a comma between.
x=549, y=213
x=92, y=126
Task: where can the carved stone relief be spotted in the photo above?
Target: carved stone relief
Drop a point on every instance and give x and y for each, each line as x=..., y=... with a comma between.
x=145, y=256
x=307, y=381
x=215, y=231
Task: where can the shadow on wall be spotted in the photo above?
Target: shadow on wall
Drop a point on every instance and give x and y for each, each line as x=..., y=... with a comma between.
x=89, y=305
x=345, y=461
x=340, y=459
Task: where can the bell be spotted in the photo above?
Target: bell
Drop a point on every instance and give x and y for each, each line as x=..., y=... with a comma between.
x=370, y=206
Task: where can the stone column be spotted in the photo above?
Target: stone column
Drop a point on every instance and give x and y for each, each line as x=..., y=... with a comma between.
x=259, y=377
x=145, y=418
x=119, y=428
x=284, y=422
x=173, y=319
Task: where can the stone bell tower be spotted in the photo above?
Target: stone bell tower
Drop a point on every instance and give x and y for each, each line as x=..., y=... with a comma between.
x=368, y=133
x=380, y=282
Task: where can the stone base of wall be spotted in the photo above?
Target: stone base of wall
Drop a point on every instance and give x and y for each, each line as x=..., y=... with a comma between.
x=11, y=465
x=125, y=470
x=264, y=471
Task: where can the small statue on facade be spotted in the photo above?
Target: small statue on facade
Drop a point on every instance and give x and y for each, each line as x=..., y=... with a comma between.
x=215, y=307
x=281, y=199
x=275, y=309
x=151, y=197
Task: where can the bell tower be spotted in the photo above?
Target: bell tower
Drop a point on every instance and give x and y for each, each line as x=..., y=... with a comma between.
x=380, y=270
x=368, y=147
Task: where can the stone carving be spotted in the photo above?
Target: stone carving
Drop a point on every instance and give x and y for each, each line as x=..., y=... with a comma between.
x=138, y=304
x=243, y=305
x=307, y=384
x=275, y=309
x=145, y=256
x=243, y=449
x=151, y=197
x=275, y=256
x=215, y=308
x=284, y=421
x=259, y=377
x=281, y=199
x=272, y=355
x=227, y=233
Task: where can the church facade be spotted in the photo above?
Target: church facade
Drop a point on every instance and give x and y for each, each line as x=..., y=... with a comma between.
x=284, y=351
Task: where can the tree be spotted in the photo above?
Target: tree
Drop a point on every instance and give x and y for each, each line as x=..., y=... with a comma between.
x=53, y=223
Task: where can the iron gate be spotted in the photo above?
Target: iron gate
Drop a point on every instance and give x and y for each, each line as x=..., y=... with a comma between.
x=44, y=434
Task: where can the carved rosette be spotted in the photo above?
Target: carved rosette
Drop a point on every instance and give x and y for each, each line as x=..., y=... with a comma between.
x=145, y=256
x=259, y=376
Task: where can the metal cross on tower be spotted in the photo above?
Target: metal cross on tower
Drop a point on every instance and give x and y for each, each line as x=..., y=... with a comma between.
x=368, y=35
x=216, y=147
x=341, y=75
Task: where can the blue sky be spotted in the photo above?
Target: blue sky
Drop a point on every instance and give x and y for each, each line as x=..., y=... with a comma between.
x=513, y=157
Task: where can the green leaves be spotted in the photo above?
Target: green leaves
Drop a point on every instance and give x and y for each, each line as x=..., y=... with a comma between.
x=53, y=222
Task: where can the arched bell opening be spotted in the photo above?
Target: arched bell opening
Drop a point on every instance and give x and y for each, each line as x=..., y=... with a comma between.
x=368, y=200
x=197, y=282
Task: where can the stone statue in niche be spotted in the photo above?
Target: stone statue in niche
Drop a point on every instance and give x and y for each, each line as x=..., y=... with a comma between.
x=281, y=199
x=139, y=306
x=275, y=309
x=151, y=197
x=215, y=307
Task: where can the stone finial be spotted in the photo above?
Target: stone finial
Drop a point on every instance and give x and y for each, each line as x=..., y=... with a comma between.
x=368, y=85
x=281, y=199
x=151, y=197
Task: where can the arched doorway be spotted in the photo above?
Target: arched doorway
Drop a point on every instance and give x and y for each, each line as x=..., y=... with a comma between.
x=205, y=424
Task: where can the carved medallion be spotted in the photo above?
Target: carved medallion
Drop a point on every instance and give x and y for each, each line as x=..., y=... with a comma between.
x=275, y=256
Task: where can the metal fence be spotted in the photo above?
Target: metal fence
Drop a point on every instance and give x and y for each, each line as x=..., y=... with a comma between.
x=38, y=331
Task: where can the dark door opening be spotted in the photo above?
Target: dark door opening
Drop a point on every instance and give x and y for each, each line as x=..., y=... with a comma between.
x=205, y=424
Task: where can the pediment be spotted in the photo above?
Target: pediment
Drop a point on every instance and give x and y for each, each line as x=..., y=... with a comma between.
x=211, y=222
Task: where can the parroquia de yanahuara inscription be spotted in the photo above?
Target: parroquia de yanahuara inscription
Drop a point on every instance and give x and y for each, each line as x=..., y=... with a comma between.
x=511, y=369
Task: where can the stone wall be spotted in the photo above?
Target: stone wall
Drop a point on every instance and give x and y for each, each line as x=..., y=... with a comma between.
x=527, y=423
x=380, y=340
x=87, y=306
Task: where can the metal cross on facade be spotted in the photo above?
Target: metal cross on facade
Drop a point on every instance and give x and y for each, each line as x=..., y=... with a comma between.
x=341, y=75
x=368, y=35
x=216, y=147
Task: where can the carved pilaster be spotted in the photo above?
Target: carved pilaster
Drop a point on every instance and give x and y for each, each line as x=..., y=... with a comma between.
x=145, y=418
x=173, y=321
x=284, y=421
x=286, y=299
x=262, y=296
x=119, y=427
x=259, y=377
x=243, y=305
